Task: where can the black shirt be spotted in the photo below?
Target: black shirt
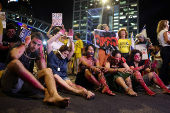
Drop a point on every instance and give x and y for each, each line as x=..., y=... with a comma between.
x=28, y=63
x=6, y=39
x=131, y=63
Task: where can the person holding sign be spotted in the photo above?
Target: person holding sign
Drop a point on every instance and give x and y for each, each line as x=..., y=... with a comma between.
x=103, y=54
x=164, y=40
x=118, y=78
x=91, y=73
x=136, y=64
x=57, y=62
x=124, y=43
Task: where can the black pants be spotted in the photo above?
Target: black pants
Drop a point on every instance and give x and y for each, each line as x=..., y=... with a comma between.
x=163, y=74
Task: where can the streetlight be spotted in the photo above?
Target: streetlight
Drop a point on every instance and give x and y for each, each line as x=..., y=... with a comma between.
x=100, y=22
x=104, y=1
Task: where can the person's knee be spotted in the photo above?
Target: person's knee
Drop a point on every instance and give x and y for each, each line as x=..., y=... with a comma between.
x=14, y=63
x=47, y=70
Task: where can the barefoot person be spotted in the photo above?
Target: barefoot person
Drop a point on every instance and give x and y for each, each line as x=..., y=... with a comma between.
x=57, y=62
x=90, y=73
x=119, y=78
x=19, y=68
x=136, y=64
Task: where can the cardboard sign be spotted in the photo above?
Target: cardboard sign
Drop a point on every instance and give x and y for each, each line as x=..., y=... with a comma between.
x=143, y=49
x=105, y=39
x=3, y=19
x=24, y=33
x=57, y=19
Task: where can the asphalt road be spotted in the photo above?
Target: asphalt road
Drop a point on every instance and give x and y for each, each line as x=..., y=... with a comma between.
x=102, y=103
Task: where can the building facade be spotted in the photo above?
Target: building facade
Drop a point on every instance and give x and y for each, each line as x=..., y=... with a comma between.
x=87, y=14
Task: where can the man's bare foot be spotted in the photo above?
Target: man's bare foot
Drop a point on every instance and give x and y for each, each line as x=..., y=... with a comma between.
x=90, y=95
x=166, y=91
x=130, y=92
x=107, y=91
x=47, y=95
x=58, y=101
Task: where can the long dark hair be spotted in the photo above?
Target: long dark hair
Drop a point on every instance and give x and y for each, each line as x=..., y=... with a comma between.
x=132, y=54
x=111, y=60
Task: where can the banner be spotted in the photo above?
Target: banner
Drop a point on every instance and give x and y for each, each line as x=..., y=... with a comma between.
x=105, y=40
x=3, y=19
x=24, y=33
x=143, y=49
x=57, y=19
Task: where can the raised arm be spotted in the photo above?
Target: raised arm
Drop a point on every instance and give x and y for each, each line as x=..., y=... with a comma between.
x=48, y=33
x=41, y=62
x=57, y=36
x=70, y=34
x=16, y=53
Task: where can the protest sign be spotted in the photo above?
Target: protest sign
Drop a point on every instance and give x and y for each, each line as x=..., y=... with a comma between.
x=105, y=39
x=143, y=49
x=57, y=19
x=24, y=33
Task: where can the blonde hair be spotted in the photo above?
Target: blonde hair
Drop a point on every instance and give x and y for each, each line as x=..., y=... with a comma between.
x=119, y=33
x=101, y=26
x=161, y=25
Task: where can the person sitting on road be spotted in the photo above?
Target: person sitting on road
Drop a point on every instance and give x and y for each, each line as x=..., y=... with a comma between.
x=57, y=62
x=137, y=66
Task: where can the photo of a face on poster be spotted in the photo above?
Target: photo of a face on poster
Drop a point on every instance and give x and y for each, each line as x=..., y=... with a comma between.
x=57, y=19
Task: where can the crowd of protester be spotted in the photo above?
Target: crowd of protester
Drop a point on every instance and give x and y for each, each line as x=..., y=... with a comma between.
x=121, y=69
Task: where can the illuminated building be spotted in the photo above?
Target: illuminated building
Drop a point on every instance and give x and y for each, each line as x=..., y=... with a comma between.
x=87, y=14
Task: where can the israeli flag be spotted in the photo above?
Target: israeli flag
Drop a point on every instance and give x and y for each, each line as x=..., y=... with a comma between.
x=132, y=42
x=143, y=31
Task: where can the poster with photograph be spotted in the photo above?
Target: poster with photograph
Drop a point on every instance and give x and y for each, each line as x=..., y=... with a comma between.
x=24, y=33
x=105, y=39
x=57, y=19
x=3, y=19
x=143, y=49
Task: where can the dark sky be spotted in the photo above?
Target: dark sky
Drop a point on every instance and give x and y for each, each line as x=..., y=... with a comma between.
x=43, y=10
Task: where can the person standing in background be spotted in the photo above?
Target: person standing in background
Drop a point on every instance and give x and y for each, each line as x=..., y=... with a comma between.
x=78, y=51
x=164, y=40
x=124, y=43
x=8, y=39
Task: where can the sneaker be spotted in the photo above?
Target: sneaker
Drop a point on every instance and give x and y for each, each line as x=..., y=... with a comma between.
x=157, y=86
x=168, y=86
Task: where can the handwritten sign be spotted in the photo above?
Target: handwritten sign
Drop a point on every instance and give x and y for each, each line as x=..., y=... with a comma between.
x=57, y=19
x=143, y=49
x=105, y=39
